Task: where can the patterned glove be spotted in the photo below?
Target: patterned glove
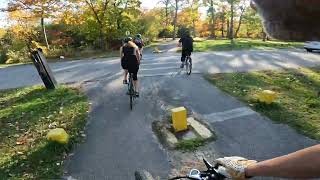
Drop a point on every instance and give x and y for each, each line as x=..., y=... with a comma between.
x=234, y=167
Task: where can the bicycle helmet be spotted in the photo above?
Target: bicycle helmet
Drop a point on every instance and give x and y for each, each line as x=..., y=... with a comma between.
x=127, y=39
x=138, y=35
x=186, y=33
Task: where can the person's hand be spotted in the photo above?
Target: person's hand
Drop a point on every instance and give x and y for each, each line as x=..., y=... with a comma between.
x=234, y=167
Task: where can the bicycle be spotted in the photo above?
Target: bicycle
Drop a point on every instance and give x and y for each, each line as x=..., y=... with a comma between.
x=188, y=64
x=210, y=174
x=131, y=92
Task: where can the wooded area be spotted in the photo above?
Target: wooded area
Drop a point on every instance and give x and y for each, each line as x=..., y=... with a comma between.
x=67, y=27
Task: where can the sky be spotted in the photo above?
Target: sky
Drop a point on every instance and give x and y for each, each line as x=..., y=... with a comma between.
x=3, y=4
x=149, y=4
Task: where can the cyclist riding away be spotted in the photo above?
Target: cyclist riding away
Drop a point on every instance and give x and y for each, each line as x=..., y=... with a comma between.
x=139, y=42
x=186, y=42
x=130, y=61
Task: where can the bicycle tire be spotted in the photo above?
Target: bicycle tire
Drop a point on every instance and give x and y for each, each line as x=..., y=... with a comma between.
x=131, y=91
x=188, y=65
x=143, y=175
x=131, y=102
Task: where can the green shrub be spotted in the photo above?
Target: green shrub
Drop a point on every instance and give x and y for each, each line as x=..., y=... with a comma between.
x=21, y=56
x=3, y=57
x=166, y=33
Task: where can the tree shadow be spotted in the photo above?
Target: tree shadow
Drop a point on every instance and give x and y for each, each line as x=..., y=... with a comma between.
x=27, y=118
x=38, y=164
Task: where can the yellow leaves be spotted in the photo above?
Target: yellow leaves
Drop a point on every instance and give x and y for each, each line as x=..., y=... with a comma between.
x=71, y=17
x=23, y=23
x=2, y=32
x=21, y=15
x=35, y=45
x=22, y=140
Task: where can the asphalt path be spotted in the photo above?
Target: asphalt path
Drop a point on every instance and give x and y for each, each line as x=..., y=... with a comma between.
x=120, y=141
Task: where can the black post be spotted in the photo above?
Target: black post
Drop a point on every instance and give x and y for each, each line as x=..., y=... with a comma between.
x=44, y=70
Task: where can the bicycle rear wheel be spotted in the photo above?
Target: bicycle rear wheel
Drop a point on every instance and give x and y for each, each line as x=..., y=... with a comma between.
x=131, y=102
x=188, y=65
x=131, y=91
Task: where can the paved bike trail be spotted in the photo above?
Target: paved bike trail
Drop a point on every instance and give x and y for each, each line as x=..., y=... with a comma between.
x=120, y=141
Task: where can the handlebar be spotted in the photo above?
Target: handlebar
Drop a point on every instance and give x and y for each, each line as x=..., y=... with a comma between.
x=210, y=174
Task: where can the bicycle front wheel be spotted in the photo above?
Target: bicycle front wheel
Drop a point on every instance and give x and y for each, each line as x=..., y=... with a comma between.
x=143, y=175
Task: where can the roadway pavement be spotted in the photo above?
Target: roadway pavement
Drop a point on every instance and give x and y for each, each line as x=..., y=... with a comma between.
x=166, y=63
x=120, y=141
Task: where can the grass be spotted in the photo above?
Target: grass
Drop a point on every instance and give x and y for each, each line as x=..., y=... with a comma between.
x=298, y=104
x=190, y=145
x=157, y=42
x=72, y=55
x=153, y=45
x=25, y=117
x=93, y=54
x=8, y=65
x=240, y=44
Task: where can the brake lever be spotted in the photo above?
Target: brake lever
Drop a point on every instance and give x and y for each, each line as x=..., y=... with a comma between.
x=208, y=165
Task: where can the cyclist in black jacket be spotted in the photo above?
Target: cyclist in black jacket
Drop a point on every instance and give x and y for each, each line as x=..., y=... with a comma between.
x=186, y=42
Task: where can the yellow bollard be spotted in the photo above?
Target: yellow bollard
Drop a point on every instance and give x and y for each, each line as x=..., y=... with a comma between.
x=179, y=119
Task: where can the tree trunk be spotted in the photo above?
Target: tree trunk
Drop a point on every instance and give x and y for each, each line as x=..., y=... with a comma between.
x=248, y=33
x=100, y=21
x=240, y=22
x=264, y=36
x=231, y=21
x=222, y=31
x=223, y=20
x=166, y=16
x=102, y=38
x=44, y=32
x=228, y=28
x=194, y=27
x=213, y=33
x=175, y=20
x=167, y=13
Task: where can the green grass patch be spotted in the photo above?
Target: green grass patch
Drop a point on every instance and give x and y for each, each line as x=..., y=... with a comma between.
x=80, y=55
x=54, y=56
x=156, y=43
x=9, y=65
x=240, y=44
x=190, y=145
x=25, y=117
x=153, y=45
x=298, y=104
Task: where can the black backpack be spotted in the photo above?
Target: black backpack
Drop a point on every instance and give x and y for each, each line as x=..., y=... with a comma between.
x=188, y=43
